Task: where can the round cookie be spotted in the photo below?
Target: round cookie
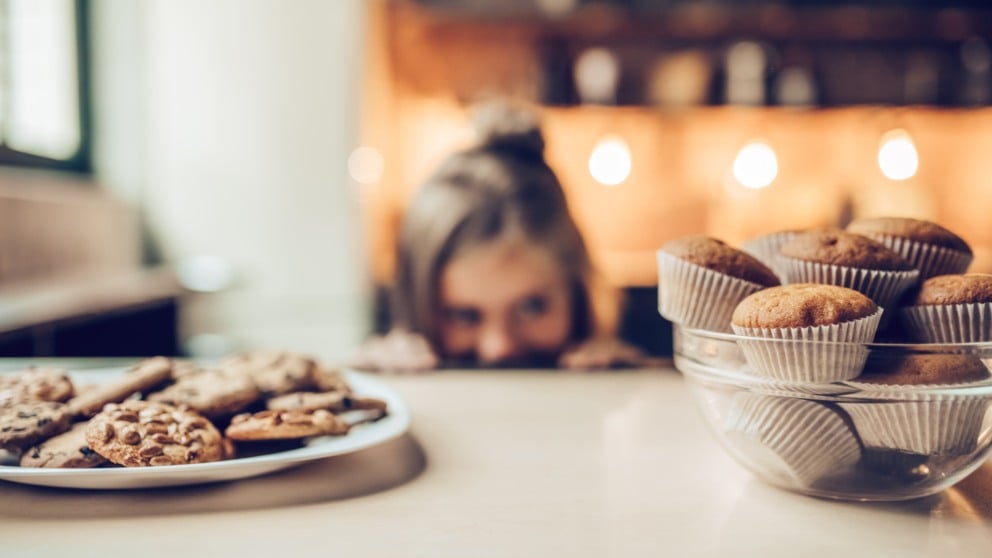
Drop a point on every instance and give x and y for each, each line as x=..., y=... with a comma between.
x=26, y=423
x=146, y=433
x=274, y=372
x=142, y=377
x=326, y=378
x=334, y=401
x=929, y=247
x=212, y=393
x=68, y=450
x=802, y=305
x=285, y=425
x=37, y=384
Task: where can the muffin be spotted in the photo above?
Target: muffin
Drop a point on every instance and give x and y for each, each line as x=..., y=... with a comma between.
x=766, y=247
x=914, y=423
x=797, y=441
x=701, y=280
x=795, y=332
x=929, y=247
x=836, y=257
x=951, y=309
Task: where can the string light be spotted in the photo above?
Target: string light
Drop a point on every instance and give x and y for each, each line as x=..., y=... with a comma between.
x=897, y=156
x=610, y=161
x=756, y=165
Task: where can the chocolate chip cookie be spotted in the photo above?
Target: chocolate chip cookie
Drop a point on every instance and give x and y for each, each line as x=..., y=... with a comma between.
x=212, y=393
x=145, y=433
x=326, y=378
x=285, y=425
x=334, y=401
x=274, y=372
x=68, y=450
x=25, y=423
x=36, y=384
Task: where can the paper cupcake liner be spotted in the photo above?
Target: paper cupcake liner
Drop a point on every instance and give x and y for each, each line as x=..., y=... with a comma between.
x=883, y=287
x=797, y=440
x=696, y=297
x=765, y=249
x=820, y=354
x=930, y=260
x=929, y=425
x=949, y=323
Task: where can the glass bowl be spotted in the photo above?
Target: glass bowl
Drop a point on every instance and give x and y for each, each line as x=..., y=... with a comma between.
x=850, y=439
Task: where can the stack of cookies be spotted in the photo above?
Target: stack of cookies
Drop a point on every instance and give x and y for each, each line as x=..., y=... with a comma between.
x=170, y=412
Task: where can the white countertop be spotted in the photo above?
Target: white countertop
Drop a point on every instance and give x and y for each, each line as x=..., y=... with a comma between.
x=506, y=464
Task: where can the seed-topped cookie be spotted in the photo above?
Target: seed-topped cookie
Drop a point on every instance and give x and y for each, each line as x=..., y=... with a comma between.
x=146, y=433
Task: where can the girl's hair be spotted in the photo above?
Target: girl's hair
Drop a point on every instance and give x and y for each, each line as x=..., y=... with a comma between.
x=501, y=184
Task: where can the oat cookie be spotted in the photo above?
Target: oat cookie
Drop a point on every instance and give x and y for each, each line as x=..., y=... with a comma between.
x=143, y=376
x=274, y=372
x=25, y=423
x=145, y=433
x=285, y=425
x=333, y=401
x=68, y=450
x=213, y=393
x=36, y=384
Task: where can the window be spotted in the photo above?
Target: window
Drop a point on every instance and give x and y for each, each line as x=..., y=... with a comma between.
x=43, y=121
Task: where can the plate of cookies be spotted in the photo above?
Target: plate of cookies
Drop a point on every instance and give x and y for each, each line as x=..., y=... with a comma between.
x=168, y=422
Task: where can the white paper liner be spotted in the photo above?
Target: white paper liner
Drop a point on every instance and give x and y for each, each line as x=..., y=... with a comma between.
x=925, y=425
x=930, y=260
x=883, y=287
x=694, y=296
x=819, y=354
x=949, y=323
x=794, y=439
x=765, y=249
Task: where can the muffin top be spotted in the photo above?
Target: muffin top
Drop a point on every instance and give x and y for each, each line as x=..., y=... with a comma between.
x=955, y=289
x=917, y=230
x=802, y=305
x=837, y=247
x=924, y=369
x=717, y=255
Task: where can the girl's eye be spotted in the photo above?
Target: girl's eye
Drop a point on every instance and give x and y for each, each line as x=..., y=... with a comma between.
x=533, y=306
x=463, y=317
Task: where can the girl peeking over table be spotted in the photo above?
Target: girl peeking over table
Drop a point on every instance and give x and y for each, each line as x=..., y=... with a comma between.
x=491, y=268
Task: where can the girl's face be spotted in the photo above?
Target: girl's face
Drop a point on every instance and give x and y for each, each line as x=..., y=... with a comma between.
x=504, y=303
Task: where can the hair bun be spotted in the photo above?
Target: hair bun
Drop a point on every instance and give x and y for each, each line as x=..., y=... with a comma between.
x=508, y=126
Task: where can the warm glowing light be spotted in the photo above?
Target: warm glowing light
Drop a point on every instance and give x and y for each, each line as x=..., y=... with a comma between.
x=897, y=156
x=365, y=165
x=756, y=165
x=610, y=161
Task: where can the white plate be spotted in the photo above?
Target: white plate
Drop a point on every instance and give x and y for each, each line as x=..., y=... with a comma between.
x=361, y=436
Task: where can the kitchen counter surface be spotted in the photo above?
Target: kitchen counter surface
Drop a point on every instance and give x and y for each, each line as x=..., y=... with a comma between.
x=505, y=464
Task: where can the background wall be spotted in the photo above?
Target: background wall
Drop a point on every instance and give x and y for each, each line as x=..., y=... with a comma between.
x=227, y=125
